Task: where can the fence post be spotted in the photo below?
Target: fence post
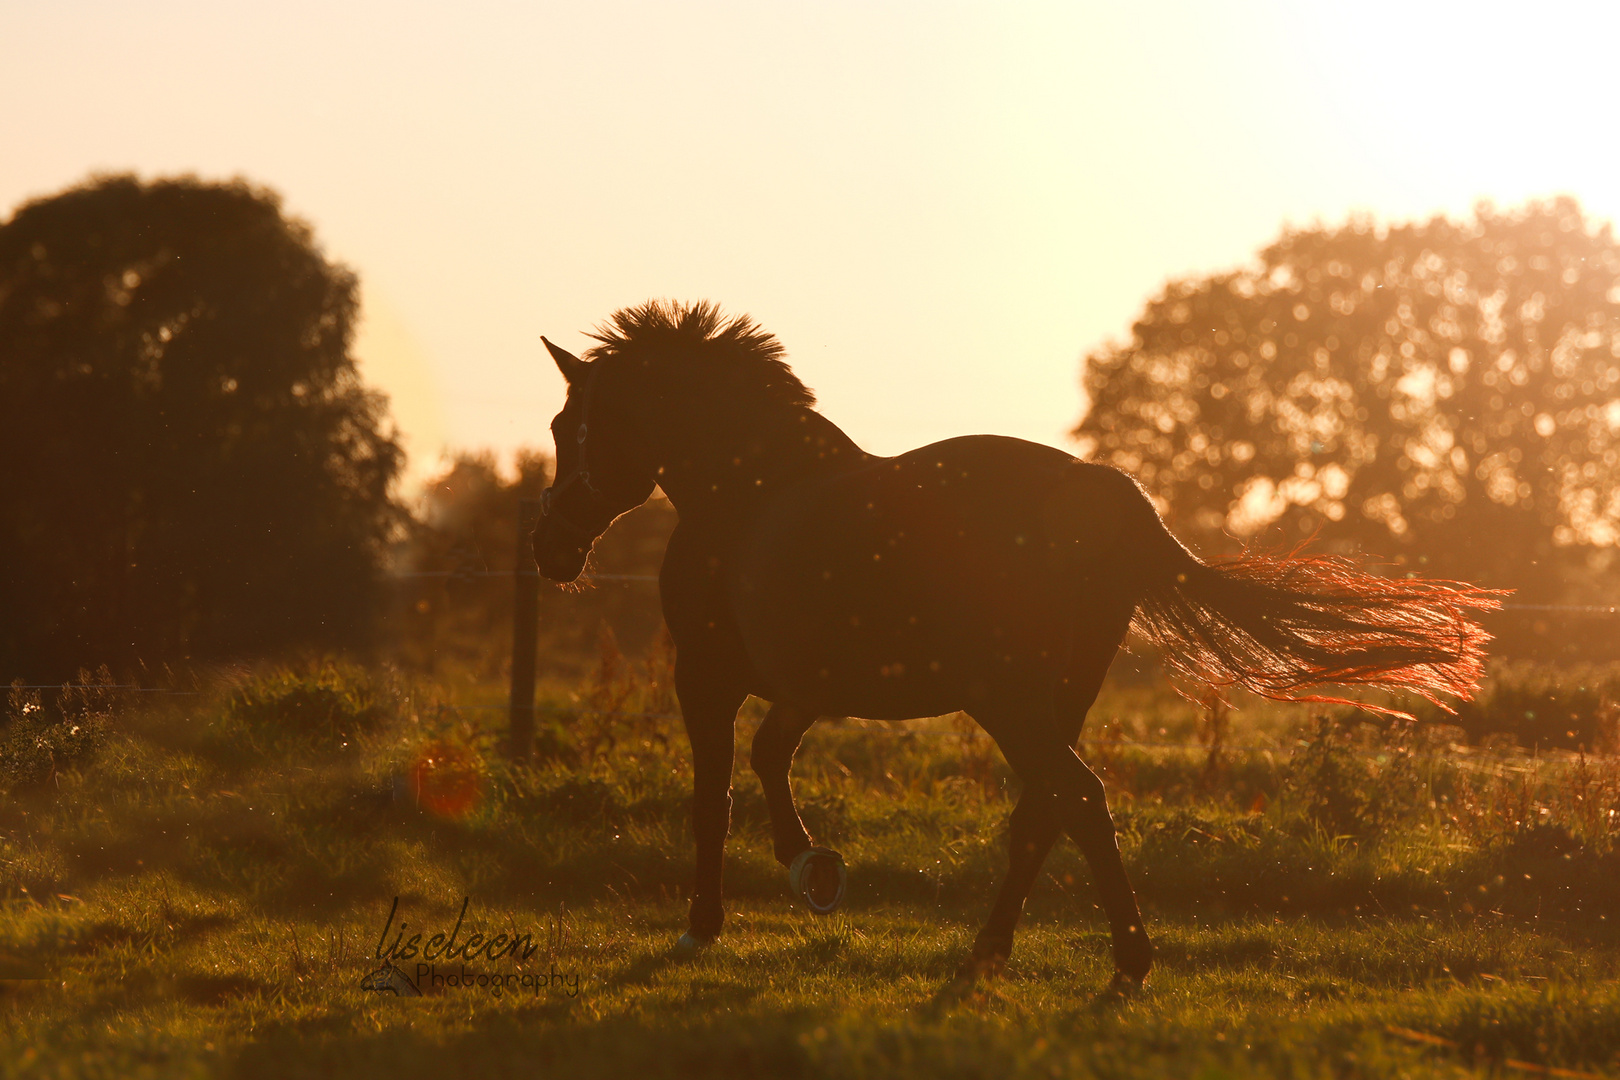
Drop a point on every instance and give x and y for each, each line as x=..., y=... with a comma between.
x=525, y=633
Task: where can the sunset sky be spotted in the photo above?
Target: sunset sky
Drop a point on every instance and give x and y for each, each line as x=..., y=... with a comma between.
x=939, y=207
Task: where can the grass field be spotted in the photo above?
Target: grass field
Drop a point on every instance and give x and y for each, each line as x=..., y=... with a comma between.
x=197, y=887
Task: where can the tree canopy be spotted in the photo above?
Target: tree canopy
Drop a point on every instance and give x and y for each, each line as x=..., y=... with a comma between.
x=1442, y=393
x=191, y=464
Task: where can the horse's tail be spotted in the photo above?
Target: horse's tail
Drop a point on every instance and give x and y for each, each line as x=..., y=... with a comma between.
x=1276, y=624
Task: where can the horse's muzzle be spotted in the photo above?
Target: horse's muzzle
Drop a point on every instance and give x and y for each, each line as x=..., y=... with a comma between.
x=560, y=551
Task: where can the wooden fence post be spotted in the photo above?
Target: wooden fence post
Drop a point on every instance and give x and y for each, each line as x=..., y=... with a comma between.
x=525, y=633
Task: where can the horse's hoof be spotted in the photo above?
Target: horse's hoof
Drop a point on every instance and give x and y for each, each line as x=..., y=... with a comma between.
x=688, y=945
x=1124, y=987
x=982, y=965
x=818, y=876
x=988, y=957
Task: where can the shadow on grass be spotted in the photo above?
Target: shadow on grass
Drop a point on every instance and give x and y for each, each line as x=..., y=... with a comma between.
x=527, y=1044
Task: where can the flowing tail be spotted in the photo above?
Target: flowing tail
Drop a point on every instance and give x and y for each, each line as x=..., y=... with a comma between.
x=1279, y=624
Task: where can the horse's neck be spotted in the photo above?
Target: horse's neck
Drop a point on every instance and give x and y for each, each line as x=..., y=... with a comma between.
x=723, y=465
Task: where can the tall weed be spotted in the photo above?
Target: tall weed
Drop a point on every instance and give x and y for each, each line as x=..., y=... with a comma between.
x=43, y=733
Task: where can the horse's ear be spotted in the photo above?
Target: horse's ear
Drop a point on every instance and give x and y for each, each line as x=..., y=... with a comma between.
x=570, y=365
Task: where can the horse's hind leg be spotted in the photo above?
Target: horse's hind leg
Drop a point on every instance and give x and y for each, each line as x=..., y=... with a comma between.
x=1035, y=824
x=817, y=875
x=1032, y=832
x=1077, y=800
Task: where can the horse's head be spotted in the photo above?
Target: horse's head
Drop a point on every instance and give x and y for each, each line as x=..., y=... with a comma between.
x=601, y=468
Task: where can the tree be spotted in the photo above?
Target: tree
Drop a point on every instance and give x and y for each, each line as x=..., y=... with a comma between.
x=1443, y=393
x=191, y=466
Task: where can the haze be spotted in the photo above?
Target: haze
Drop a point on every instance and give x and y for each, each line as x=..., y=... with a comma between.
x=938, y=207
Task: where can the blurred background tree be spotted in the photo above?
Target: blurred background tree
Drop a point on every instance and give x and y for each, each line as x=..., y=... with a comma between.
x=191, y=466
x=1443, y=394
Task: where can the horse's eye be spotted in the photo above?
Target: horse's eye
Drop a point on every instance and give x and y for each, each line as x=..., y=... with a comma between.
x=580, y=438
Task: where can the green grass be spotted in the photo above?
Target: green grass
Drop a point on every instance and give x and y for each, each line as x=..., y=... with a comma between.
x=201, y=889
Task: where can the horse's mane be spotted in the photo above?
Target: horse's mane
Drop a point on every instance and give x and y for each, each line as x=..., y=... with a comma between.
x=698, y=338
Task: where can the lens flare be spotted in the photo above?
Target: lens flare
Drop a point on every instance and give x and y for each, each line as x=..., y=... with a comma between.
x=447, y=779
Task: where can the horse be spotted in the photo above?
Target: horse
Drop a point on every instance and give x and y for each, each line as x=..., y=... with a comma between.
x=981, y=574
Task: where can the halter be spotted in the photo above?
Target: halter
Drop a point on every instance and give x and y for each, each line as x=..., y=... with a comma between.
x=581, y=473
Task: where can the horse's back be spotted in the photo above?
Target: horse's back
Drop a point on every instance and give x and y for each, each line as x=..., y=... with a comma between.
x=893, y=588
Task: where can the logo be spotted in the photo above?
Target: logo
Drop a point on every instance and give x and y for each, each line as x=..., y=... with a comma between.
x=491, y=964
x=388, y=979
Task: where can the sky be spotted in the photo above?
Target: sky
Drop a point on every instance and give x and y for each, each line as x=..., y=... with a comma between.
x=939, y=207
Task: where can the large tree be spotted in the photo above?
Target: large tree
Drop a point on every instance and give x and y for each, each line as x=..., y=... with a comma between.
x=190, y=465
x=1445, y=394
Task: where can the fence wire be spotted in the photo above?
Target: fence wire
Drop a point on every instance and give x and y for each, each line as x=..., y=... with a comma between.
x=969, y=733
x=1583, y=609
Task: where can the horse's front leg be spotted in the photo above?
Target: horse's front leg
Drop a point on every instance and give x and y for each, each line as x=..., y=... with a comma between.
x=775, y=743
x=815, y=874
x=709, y=709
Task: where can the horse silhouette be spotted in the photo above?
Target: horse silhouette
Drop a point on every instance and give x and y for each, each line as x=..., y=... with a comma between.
x=983, y=574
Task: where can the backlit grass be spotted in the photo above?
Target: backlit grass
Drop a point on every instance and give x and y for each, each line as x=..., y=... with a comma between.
x=202, y=891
